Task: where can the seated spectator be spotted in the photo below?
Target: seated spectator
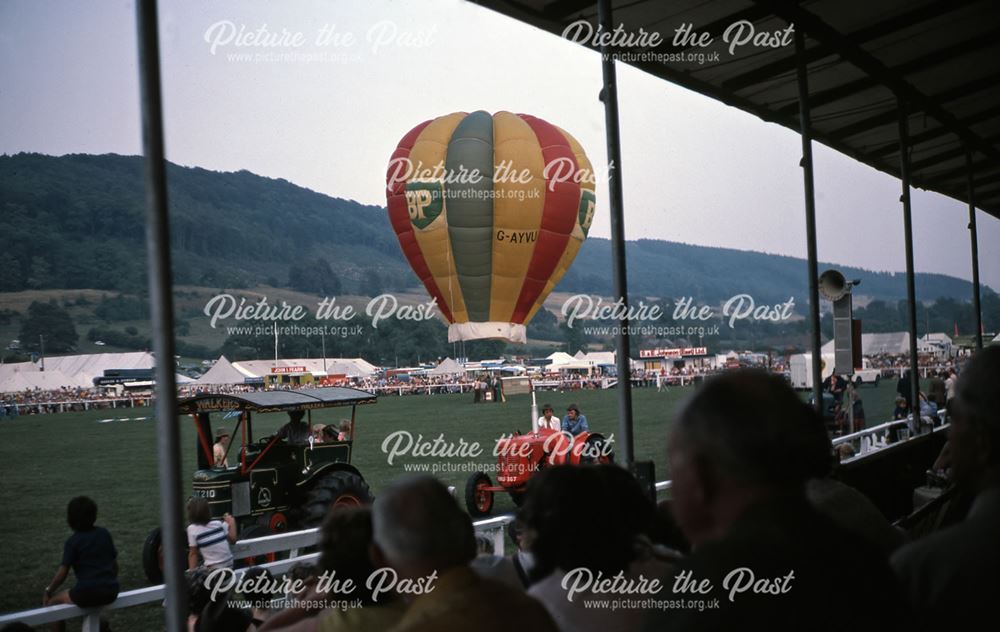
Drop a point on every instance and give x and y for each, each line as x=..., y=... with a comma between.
x=548, y=421
x=198, y=595
x=928, y=410
x=567, y=536
x=331, y=434
x=902, y=410
x=513, y=570
x=91, y=554
x=953, y=576
x=740, y=453
x=296, y=430
x=574, y=423
x=421, y=534
x=344, y=430
x=320, y=433
x=262, y=601
x=210, y=538
x=345, y=554
x=848, y=507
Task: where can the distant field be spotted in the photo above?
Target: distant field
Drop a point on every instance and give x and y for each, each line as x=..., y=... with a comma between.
x=46, y=460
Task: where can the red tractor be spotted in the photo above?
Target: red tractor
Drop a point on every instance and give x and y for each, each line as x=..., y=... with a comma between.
x=519, y=457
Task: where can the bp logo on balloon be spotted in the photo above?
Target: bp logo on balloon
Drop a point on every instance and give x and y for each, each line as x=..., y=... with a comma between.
x=490, y=249
x=424, y=201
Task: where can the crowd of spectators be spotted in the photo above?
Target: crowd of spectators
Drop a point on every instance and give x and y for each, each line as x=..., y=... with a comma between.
x=39, y=401
x=757, y=534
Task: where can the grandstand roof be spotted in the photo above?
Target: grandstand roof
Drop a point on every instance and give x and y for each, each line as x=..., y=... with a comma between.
x=940, y=57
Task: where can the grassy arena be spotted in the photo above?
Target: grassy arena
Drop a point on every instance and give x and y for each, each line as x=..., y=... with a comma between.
x=46, y=460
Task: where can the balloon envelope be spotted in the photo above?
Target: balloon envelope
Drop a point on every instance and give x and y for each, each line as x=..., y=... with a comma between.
x=490, y=211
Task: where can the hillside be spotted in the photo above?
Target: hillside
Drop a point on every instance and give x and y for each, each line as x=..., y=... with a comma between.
x=76, y=222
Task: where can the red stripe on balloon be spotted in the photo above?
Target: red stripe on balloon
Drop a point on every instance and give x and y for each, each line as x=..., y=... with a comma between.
x=559, y=213
x=399, y=217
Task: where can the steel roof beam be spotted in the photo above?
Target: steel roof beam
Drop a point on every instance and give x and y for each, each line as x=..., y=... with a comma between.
x=873, y=32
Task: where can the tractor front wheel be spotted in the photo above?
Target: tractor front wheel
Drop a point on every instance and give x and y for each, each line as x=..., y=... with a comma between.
x=152, y=556
x=597, y=450
x=250, y=532
x=517, y=497
x=336, y=489
x=478, y=499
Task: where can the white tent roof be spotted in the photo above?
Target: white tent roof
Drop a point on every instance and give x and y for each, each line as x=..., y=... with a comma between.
x=893, y=342
x=72, y=371
x=47, y=380
x=560, y=358
x=222, y=372
x=447, y=367
x=597, y=357
x=576, y=365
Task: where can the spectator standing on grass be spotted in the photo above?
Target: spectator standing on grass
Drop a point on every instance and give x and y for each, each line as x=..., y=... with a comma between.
x=209, y=538
x=91, y=553
x=422, y=534
x=953, y=576
x=937, y=391
x=949, y=385
x=835, y=385
x=903, y=387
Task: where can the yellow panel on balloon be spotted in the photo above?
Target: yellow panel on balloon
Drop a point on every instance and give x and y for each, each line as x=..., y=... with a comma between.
x=428, y=152
x=519, y=195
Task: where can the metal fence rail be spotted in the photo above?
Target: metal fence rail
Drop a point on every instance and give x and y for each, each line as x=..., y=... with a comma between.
x=294, y=541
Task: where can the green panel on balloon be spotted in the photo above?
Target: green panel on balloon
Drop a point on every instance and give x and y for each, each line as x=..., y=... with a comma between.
x=470, y=210
x=424, y=202
x=588, y=202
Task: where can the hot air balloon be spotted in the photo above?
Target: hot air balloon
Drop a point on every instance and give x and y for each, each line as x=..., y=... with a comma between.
x=490, y=211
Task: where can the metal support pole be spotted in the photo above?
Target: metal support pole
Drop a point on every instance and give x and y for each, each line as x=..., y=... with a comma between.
x=911, y=292
x=805, y=131
x=162, y=311
x=973, y=237
x=609, y=95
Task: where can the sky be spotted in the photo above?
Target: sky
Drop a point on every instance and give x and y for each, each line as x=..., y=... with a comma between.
x=327, y=112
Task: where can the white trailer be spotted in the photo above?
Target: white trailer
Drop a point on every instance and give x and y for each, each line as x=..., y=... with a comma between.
x=800, y=366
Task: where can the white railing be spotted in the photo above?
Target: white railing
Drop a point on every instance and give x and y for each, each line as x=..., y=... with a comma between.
x=293, y=541
x=46, y=407
x=876, y=438
x=279, y=542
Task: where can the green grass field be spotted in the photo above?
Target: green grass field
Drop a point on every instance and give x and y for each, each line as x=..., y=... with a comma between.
x=48, y=459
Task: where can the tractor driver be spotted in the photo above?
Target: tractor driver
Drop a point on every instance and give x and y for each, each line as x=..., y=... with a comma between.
x=296, y=431
x=574, y=423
